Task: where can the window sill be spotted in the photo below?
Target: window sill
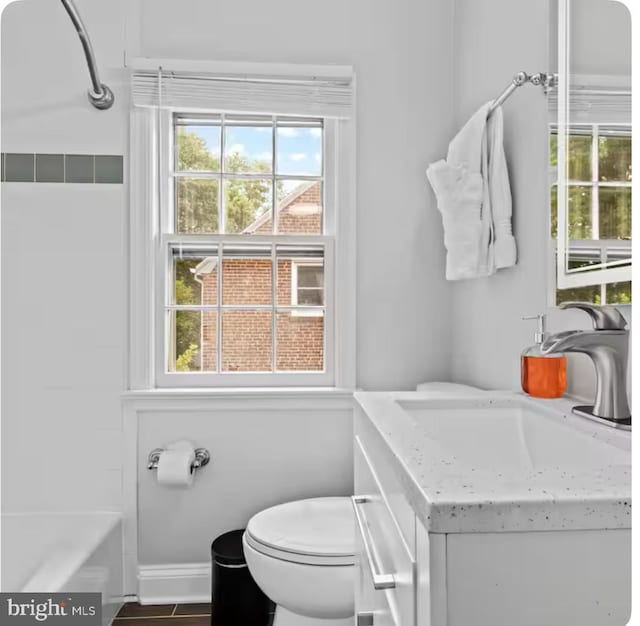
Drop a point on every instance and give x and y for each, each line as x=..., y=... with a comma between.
x=308, y=398
x=301, y=313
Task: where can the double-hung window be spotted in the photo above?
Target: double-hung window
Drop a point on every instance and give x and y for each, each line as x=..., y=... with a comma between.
x=246, y=245
x=246, y=225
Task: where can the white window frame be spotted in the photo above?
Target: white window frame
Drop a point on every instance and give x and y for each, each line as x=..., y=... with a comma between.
x=295, y=266
x=602, y=247
x=151, y=132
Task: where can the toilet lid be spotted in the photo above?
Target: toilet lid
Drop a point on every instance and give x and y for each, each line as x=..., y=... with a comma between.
x=318, y=527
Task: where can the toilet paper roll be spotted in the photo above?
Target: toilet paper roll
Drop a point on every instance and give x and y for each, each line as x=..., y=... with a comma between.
x=175, y=466
x=181, y=444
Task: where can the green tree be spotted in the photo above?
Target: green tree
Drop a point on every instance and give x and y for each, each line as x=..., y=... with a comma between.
x=197, y=197
x=246, y=199
x=184, y=362
x=187, y=323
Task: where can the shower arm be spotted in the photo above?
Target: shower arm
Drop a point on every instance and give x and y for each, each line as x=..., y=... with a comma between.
x=100, y=95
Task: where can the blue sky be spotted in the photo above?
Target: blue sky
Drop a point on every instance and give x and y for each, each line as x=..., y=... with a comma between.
x=299, y=150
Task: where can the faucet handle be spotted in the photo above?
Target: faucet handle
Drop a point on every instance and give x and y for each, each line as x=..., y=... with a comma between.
x=604, y=317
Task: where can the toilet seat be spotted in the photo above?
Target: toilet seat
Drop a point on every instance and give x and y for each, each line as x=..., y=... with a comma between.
x=317, y=531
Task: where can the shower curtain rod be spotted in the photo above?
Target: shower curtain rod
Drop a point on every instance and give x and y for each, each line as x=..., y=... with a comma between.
x=546, y=80
x=100, y=95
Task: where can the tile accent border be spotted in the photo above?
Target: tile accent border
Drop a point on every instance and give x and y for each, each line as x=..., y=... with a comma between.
x=25, y=167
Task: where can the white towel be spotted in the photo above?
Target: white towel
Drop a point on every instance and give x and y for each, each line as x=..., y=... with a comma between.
x=474, y=198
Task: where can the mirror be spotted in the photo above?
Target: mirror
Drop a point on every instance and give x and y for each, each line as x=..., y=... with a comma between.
x=590, y=147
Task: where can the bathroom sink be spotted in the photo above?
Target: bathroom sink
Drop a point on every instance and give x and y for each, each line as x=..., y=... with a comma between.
x=501, y=461
x=513, y=435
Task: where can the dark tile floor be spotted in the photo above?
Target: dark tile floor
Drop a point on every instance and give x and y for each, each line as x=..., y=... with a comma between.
x=133, y=614
x=164, y=615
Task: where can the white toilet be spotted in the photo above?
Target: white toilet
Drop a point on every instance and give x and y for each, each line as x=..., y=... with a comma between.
x=301, y=554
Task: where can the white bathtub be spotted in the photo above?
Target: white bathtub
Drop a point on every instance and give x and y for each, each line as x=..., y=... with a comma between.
x=64, y=552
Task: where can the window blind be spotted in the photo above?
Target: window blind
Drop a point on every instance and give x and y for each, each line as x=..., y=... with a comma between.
x=589, y=104
x=283, y=95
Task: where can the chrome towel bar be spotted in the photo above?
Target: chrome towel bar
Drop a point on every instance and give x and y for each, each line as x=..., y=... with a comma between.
x=547, y=81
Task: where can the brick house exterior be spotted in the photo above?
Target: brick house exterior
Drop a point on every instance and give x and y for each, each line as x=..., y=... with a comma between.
x=247, y=335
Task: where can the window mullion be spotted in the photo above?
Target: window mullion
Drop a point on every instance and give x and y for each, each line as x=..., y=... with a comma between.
x=274, y=189
x=198, y=174
x=595, y=174
x=603, y=286
x=219, y=301
x=274, y=302
x=222, y=221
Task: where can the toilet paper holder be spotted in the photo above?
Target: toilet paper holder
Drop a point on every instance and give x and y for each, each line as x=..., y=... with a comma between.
x=202, y=458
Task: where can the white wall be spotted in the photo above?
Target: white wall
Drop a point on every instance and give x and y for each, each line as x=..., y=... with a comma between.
x=63, y=268
x=45, y=79
x=491, y=46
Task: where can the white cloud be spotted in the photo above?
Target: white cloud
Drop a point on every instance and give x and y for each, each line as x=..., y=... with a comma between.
x=298, y=156
x=263, y=156
x=237, y=147
x=315, y=132
x=317, y=157
x=285, y=131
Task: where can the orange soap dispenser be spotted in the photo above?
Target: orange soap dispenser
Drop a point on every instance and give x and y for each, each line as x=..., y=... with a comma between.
x=543, y=375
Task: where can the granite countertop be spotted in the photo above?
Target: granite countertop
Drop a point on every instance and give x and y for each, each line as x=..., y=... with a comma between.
x=526, y=479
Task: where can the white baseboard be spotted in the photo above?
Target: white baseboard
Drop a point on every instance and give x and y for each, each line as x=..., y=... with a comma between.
x=174, y=584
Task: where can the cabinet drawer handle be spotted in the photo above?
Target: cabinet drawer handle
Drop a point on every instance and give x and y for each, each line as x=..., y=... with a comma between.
x=380, y=581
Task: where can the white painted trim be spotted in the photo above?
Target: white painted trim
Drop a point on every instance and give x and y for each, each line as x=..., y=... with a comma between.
x=160, y=286
x=307, y=313
x=241, y=68
x=174, y=583
x=143, y=220
x=611, y=275
x=230, y=399
x=345, y=253
x=130, y=497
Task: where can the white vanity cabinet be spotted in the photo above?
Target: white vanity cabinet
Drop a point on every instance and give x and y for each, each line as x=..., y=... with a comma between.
x=528, y=578
x=385, y=545
x=391, y=541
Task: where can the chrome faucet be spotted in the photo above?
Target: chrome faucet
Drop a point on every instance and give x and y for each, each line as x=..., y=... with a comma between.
x=608, y=346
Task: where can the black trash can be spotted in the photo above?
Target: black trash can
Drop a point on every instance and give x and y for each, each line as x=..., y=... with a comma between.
x=236, y=599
